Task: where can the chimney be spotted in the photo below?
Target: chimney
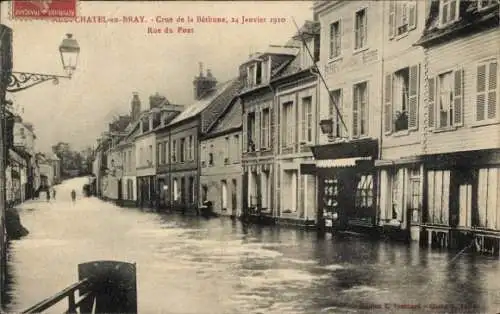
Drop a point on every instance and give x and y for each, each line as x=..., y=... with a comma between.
x=136, y=107
x=156, y=100
x=202, y=84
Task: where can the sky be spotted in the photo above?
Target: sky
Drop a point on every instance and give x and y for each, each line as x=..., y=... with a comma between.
x=117, y=59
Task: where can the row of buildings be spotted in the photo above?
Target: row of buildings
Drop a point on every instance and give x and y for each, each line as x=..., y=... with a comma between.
x=377, y=115
x=27, y=171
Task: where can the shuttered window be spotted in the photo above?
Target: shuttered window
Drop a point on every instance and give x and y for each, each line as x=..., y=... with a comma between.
x=360, y=28
x=402, y=17
x=244, y=132
x=448, y=102
x=335, y=40
x=487, y=90
x=438, y=196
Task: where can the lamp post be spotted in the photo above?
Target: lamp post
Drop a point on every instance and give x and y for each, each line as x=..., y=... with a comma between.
x=11, y=81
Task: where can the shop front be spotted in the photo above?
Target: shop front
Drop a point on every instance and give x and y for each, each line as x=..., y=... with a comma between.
x=346, y=178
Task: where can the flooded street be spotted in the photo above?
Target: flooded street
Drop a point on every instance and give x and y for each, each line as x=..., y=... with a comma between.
x=193, y=265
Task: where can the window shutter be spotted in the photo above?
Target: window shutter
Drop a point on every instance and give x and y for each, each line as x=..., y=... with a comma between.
x=413, y=97
x=431, y=118
x=492, y=89
x=458, y=97
x=256, y=140
x=481, y=92
x=271, y=128
x=388, y=104
x=412, y=16
x=392, y=19
x=355, y=113
x=244, y=132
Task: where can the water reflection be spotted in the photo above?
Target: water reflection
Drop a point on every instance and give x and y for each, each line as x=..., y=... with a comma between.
x=191, y=265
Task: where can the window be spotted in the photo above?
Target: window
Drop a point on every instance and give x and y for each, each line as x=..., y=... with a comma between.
x=150, y=155
x=360, y=110
x=130, y=160
x=237, y=148
x=190, y=148
x=402, y=17
x=211, y=156
x=174, y=150
x=204, y=193
x=251, y=76
x=227, y=150
x=224, y=195
x=258, y=74
x=156, y=119
x=414, y=194
x=182, y=149
x=265, y=124
x=176, y=190
x=364, y=192
x=290, y=186
x=265, y=70
x=401, y=99
x=141, y=157
x=335, y=102
x=487, y=90
x=445, y=103
x=335, y=40
x=234, y=197
x=360, y=30
x=306, y=60
x=438, y=196
x=182, y=193
x=159, y=153
x=191, y=190
x=445, y=110
x=164, y=153
x=288, y=124
x=488, y=204
x=306, y=121
x=251, y=132
x=448, y=11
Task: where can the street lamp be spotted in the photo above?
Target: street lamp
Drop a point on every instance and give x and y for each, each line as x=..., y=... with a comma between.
x=69, y=50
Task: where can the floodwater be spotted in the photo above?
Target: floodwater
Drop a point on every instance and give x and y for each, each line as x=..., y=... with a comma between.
x=194, y=265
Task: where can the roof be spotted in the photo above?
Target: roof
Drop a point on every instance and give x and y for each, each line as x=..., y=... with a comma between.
x=221, y=104
x=203, y=103
x=471, y=19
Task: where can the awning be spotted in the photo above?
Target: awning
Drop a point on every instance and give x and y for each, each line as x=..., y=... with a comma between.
x=340, y=162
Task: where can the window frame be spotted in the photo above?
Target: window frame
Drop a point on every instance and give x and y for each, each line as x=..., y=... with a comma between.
x=449, y=21
x=265, y=129
x=355, y=30
x=306, y=120
x=333, y=41
x=288, y=122
x=366, y=113
x=332, y=111
x=486, y=62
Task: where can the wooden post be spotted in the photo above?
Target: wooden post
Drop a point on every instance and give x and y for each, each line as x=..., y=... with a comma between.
x=113, y=285
x=71, y=303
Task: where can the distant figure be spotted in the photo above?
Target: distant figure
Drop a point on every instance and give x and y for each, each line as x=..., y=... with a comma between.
x=48, y=195
x=54, y=194
x=73, y=195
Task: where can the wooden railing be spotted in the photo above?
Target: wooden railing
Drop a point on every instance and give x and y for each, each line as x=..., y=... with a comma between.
x=68, y=293
x=103, y=287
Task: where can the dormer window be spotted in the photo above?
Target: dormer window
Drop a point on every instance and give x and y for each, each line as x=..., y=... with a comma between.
x=251, y=76
x=306, y=60
x=448, y=11
x=265, y=70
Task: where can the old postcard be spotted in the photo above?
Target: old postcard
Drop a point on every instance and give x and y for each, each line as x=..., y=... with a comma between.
x=197, y=157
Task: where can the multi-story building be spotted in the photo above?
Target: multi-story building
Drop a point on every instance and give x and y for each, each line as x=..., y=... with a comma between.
x=160, y=113
x=221, y=171
x=296, y=95
x=400, y=167
x=24, y=142
x=461, y=141
x=259, y=121
x=349, y=111
x=178, y=141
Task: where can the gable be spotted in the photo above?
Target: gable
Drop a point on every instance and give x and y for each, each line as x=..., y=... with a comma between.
x=229, y=120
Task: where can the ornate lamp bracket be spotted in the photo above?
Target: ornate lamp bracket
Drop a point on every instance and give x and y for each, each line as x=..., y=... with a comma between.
x=18, y=81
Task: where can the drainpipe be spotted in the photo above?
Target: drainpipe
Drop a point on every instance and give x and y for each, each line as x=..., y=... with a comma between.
x=275, y=147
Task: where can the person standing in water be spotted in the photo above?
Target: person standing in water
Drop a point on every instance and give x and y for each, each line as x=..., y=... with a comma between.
x=54, y=193
x=73, y=195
